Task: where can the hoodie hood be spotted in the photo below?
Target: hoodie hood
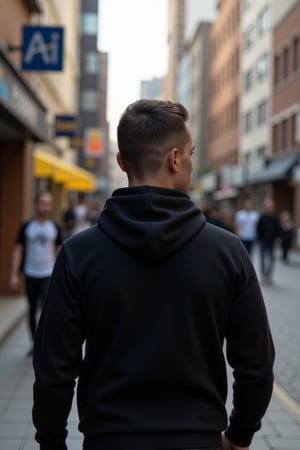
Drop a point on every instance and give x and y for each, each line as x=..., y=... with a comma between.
x=150, y=222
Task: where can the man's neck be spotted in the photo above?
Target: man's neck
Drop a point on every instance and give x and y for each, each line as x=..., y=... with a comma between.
x=41, y=219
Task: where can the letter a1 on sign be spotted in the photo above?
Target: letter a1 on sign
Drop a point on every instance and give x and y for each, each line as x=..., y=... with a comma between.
x=42, y=48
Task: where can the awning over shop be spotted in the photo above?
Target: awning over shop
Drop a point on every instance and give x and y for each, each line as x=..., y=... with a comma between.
x=73, y=178
x=277, y=169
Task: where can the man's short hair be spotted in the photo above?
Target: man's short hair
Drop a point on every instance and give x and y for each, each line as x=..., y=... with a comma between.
x=147, y=130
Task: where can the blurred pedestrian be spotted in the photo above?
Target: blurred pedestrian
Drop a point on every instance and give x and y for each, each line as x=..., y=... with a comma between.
x=36, y=246
x=81, y=212
x=245, y=222
x=69, y=219
x=153, y=290
x=213, y=216
x=268, y=231
x=93, y=212
x=286, y=234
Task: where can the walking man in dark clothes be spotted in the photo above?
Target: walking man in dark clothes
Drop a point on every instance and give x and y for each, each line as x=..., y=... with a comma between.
x=154, y=291
x=268, y=230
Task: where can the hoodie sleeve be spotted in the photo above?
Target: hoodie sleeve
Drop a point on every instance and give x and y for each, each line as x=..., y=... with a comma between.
x=250, y=353
x=57, y=358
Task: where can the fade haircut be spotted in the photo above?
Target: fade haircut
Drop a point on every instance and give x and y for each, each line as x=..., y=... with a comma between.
x=147, y=130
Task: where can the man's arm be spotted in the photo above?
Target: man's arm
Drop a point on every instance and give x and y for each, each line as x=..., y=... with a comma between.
x=15, y=266
x=227, y=445
x=250, y=352
x=57, y=358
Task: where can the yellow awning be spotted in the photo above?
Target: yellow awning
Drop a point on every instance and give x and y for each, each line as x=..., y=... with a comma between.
x=73, y=177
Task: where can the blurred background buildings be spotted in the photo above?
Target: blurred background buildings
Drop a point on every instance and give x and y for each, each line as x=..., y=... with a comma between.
x=239, y=75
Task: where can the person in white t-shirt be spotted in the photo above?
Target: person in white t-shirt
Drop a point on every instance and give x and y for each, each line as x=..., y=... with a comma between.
x=245, y=222
x=34, y=254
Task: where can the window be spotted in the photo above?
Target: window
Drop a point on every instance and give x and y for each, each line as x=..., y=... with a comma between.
x=284, y=134
x=262, y=113
x=249, y=37
x=263, y=21
x=262, y=67
x=247, y=122
x=275, y=138
x=248, y=80
x=296, y=53
x=285, y=62
x=261, y=152
x=89, y=100
x=247, y=4
x=276, y=69
x=89, y=23
x=294, y=129
x=91, y=60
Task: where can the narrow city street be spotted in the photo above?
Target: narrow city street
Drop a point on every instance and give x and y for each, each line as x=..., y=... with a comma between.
x=281, y=425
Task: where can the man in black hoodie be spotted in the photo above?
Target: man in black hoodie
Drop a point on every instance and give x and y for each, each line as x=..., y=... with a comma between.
x=153, y=291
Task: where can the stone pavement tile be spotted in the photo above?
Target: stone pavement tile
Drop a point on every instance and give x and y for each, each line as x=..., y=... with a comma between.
x=280, y=416
x=73, y=432
x=12, y=430
x=11, y=444
x=284, y=444
x=267, y=430
x=259, y=444
x=75, y=444
x=291, y=430
x=16, y=415
x=30, y=445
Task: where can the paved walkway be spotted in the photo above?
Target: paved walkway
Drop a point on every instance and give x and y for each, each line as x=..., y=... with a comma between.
x=281, y=425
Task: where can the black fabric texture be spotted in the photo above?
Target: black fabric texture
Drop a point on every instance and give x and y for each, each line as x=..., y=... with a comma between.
x=154, y=292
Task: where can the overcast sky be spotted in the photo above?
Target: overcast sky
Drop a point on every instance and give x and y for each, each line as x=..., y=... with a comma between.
x=134, y=33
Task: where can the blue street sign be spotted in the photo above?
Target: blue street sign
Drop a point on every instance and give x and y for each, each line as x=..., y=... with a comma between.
x=42, y=48
x=65, y=126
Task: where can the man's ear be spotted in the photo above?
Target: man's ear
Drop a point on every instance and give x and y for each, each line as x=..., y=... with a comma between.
x=173, y=160
x=120, y=162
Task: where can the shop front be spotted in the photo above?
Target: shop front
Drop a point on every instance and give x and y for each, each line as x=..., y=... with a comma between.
x=22, y=122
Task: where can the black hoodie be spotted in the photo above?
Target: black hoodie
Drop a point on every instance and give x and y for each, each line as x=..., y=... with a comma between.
x=153, y=290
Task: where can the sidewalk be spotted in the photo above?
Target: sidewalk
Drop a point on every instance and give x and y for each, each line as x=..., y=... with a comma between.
x=280, y=430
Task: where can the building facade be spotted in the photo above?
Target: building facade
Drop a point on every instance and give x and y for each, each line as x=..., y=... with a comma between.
x=176, y=45
x=199, y=106
x=256, y=85
x=55, y=161
x=22, y=122
x=224, y=85
x=286, y=108
x=32, y=157
x=93, y=127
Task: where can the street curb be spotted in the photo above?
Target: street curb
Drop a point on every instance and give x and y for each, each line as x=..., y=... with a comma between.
x=290, y=404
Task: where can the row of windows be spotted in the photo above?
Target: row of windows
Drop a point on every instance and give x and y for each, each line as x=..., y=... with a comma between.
x=255, y=31
x=257, y=73
x=256, y=117
x=287, y=61
x=226, y=74
x=284, y=134
x=230, y=26
x=225, y=120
